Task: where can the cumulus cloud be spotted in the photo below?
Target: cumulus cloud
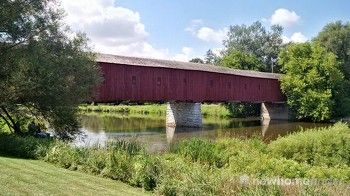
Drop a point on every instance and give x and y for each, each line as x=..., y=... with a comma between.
x=210, y=35
x=185, y=55
x=206, y=33
x=284, y=17
x=297, y=37
x=111, y=29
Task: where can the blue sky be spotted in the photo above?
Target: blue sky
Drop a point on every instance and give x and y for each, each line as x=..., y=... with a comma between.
x=183, y=29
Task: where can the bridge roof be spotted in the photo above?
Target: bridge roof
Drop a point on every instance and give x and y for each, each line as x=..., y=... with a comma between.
x=146, y=62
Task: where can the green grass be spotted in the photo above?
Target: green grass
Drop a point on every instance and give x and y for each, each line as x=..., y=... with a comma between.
x=33, y=177
x=213, y=110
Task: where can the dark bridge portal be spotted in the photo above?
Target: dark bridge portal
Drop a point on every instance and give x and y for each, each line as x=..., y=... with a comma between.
x=151, y=80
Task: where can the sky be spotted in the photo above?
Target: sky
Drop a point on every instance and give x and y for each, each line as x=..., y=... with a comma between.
x=182, y=30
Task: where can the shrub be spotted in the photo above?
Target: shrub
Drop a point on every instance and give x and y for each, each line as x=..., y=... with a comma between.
x=130, y=147
x=219, y=153
x=323, y=146
x=200, y=150
x=66, y=156
x=24, y=147
x=179, y=177
x=146, y=171
x=117, y=165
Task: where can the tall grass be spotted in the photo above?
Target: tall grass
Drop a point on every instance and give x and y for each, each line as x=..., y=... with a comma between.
x=205, y=167
x=321, y=147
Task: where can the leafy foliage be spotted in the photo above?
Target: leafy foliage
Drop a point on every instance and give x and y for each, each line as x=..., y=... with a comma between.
x=311, y=79
x=211, y=58
x=24, y=147
x=44, y=73
x=243, y=110
x=322, y=147
x=335, y=37
x=197, y=60
x=254, y=44
x=240, y=60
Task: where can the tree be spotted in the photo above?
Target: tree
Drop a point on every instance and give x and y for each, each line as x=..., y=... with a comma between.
x=311, y=80
x=44, y=73
x=335, y=37
x=197, y=60
x=240, y=60
x=256, y=41
x=211, y=58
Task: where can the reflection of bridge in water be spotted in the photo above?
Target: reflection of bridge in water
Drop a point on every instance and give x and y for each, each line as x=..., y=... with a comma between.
x=157, y=137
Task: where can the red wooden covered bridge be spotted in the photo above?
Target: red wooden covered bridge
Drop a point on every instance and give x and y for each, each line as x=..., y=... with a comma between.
x=153, y=80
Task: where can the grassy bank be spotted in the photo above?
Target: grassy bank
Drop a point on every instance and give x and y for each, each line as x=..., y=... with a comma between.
x=205, y=167
x=213, y=110
x=33, y=177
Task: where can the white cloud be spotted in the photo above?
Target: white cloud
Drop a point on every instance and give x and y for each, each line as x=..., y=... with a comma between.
x=206, y=33
x=284, y=17
x=210, y=35
x=297, y=37
x=194, y=26
x=111, y=29
x=185, y=55
x=217, y=51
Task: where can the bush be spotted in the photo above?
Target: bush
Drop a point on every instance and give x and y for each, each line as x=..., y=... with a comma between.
x=179, y=177
x=146, y=171
x=203, y=151
x=218, y=153
x=321, y=147
x=24, y=147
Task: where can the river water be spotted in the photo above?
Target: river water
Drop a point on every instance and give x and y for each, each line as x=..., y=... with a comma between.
x=152, y=132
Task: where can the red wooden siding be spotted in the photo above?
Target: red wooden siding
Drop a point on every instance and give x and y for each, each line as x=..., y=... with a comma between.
x=153, y=84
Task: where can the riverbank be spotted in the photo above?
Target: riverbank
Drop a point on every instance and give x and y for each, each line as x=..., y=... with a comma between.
x=312, y=162
x=210, y=110
x=34, y=177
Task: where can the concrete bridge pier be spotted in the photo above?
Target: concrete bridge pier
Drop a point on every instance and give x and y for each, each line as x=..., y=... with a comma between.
x=274, y=111
x=183, y=114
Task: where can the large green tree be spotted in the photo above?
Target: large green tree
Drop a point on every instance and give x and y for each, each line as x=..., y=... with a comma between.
x=335, y=37
x=45, y=72
x=311, y=80
x=240, y=60
x=254, y=41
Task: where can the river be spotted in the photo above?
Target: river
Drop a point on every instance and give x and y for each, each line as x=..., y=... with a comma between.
x=155, y=136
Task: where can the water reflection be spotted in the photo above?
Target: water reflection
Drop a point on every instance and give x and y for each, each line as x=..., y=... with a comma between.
x=152, y=131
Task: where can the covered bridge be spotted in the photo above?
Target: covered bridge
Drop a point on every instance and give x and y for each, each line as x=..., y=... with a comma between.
x=182, y=83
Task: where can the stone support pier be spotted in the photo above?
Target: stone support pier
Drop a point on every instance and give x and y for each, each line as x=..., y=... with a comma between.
x=183, y=114
x=274, y=111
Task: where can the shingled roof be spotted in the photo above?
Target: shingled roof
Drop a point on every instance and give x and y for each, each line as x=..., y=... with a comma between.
x=136, y=61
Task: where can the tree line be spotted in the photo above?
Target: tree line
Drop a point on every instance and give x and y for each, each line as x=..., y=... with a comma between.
x=316, y=73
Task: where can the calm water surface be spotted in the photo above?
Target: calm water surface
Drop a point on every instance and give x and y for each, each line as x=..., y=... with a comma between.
x=152, y=132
